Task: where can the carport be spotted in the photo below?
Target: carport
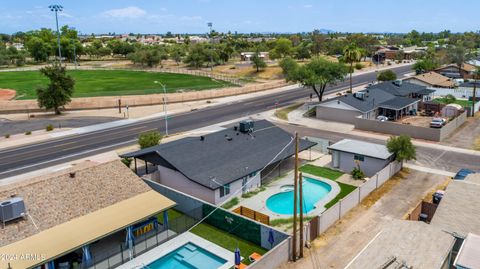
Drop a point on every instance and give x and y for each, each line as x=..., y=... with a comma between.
x=398, y=107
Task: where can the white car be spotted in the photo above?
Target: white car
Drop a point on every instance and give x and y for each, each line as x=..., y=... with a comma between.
x=382, y=118
x=437, y=123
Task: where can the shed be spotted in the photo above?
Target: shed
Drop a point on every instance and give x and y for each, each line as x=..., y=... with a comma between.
x=348, y=154
x=451, y=110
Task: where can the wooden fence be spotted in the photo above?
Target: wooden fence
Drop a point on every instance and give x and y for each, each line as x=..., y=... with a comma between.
x=423, y=208
x=252, y=214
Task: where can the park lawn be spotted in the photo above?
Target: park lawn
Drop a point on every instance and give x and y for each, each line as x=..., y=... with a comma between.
x=463, y=103
x=321, y=171
x=89, y=83
x=227, y=241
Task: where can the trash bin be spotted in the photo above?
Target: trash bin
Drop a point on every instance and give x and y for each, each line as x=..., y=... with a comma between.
x=423, y=217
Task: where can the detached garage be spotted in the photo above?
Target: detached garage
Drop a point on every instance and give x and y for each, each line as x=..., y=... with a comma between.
x=371, y=158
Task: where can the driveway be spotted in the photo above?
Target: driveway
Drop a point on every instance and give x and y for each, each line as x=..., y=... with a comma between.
x=343, y=242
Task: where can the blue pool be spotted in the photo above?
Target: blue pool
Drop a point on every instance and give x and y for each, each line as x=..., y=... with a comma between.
x=188, y=256
x=313, y=191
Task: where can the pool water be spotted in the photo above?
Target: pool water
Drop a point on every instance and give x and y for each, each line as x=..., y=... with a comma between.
x=313, y=191
x=188, y=256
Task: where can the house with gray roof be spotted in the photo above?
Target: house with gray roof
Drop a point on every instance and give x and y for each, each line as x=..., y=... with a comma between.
x=348, y=154
x=224, y=164
x=391, y=99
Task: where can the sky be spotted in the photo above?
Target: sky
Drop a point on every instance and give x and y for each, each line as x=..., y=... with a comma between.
x=243, y=16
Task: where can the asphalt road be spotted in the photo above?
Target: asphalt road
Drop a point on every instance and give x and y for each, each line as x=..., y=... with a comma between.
x=28, y=158
x=435, y=158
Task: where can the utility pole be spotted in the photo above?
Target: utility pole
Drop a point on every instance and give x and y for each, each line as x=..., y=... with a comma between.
x=474, y=94
x=300, y=178
x=295, y=192
x=56, y=9
x=164, y=105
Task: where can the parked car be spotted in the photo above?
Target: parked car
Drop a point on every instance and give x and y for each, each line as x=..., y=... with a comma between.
x=463, y=173
x=382, y=118
x=437, y=123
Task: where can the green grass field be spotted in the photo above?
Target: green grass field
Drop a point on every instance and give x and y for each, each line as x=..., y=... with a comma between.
x=109, y=82
x=463, y=103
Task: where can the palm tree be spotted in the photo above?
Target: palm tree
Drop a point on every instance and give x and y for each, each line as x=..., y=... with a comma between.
x=351, y=54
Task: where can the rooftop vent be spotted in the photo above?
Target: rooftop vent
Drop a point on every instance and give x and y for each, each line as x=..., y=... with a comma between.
x=398, y=82
x=228, y=138
x=246, y=126
x=11, y=209
x=360, y=95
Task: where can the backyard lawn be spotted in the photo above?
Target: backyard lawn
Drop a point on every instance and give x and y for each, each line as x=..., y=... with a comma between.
x=90, y=83
x=227, y=241
x=463, y=103
x=331, y=174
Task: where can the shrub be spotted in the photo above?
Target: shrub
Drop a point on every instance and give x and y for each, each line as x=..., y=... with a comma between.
x=357, y=173
x=28, y=133
x=358, y=66
x=149, y=139
x=233, y=202
x=7, y=135
x=450, y=99
x=386, y=75
x=127, y=161
x=49, y=128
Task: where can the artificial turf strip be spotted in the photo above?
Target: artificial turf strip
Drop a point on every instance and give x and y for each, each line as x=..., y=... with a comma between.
x=321, y=171
x=227, y=241
x=90, y=83
x=345, y=189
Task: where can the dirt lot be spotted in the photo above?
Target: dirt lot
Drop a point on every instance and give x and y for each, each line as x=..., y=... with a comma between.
x=393, y=200
x=467, y=136
x=420, y=121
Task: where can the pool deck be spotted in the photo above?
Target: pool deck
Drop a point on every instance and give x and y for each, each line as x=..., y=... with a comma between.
x=259, y=202
x=167, y=247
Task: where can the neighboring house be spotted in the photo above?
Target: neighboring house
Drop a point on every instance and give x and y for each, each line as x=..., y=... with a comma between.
x=86, y=209
x=369, y=157
x=246, y=56
x=221, y=165
x=453, y=71
x=391, y=99
x=432, y=79
x=406, y=244
x=468, y=256
x=468, y=87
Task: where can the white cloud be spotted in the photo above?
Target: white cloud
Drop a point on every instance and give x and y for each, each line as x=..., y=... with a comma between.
x=128, y=12
x=307, y=6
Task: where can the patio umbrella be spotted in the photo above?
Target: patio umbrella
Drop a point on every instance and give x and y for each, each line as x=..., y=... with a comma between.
x=129, y=241
x=165, y=219
x=238, y=258
x=270, y=237
x=86, y=256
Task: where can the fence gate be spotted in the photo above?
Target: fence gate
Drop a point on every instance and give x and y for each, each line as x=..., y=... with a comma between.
x=314, y=228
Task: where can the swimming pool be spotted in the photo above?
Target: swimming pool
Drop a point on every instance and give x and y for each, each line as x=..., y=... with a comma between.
x=313, y=191
x=188, y=256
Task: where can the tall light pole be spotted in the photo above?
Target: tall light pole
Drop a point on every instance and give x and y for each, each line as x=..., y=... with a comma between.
x=56, y=9
x=164, y=105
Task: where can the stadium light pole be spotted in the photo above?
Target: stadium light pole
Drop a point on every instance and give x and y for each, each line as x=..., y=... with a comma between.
x=56, y=9
x=164, y=105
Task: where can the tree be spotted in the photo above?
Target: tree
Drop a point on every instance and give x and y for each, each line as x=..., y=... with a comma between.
x=283, y=48
x=149, y=139
x=402, y=147
x=318, y=74
x=196, y=57
x=38, y=48
x=450, y=99
x=456, y=54
x=387, y=75
x=303, y=51
x=351, y=55
x=59, y=91
x=424, y=66
x=258, y=61
x=288, y=66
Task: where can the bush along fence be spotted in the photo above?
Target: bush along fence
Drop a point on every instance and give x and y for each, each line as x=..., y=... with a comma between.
x=81, y=103
x=321, y=223
x=249, y=230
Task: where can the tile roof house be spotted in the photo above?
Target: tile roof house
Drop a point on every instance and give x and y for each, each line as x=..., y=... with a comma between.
x=406, y=244
x=214, y=167
x=391, y=99
x=432, y=79
x=454, y=71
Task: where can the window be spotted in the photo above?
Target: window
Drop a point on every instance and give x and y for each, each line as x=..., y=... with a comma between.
x=359, y=158
x=225, y=190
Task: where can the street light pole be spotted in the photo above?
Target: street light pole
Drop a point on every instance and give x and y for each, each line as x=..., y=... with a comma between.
x=164, y=105
x=56, y=9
